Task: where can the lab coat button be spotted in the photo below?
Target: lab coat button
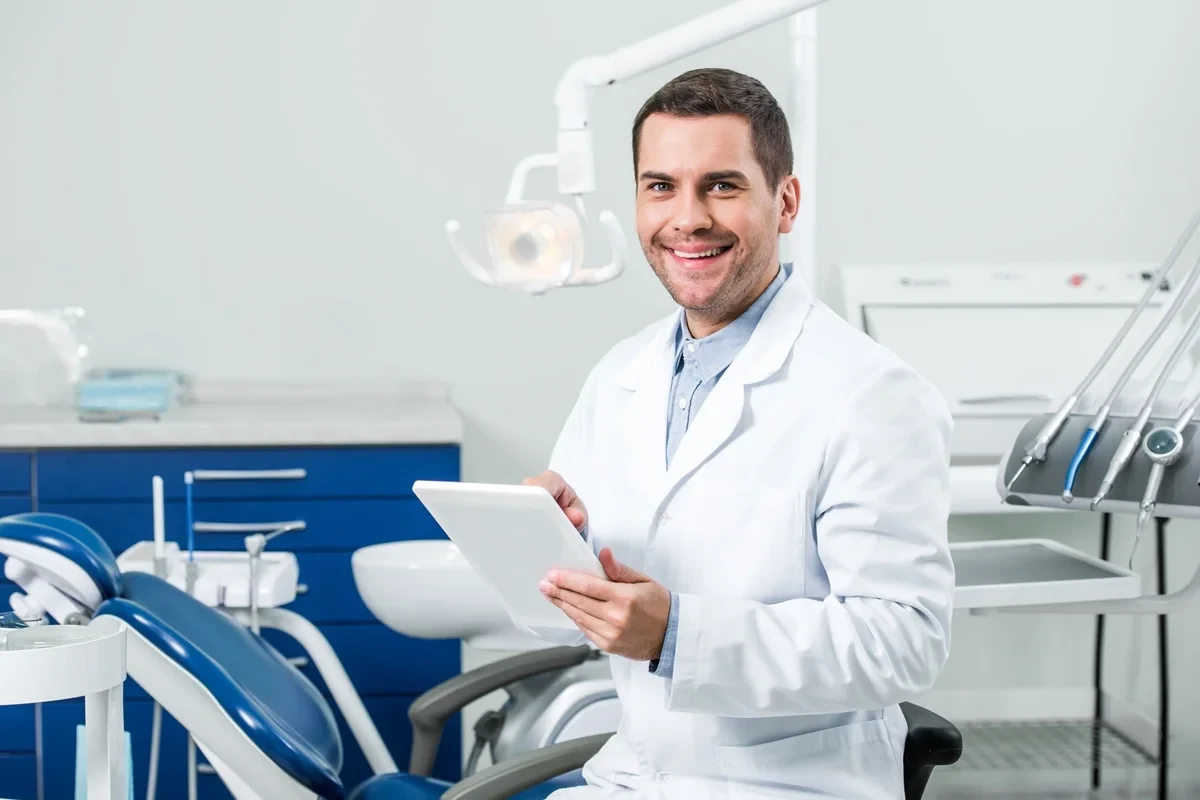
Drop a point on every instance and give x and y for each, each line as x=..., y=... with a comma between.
x=661, y=777
x=682, y=403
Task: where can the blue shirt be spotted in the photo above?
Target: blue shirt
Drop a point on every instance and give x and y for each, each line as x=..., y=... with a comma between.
x=699, y=364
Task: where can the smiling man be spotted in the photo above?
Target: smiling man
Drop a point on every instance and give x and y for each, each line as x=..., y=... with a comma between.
x=766, y=488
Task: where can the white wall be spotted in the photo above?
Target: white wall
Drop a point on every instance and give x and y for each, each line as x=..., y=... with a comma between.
x=259, y=189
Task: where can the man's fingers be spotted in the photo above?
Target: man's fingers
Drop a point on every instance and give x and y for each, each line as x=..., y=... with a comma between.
x=596, y=609
x=597, y=630
x=575, y=516
x=583, y=583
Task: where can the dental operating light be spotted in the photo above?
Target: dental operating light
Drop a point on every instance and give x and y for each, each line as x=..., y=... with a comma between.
x=537, y=246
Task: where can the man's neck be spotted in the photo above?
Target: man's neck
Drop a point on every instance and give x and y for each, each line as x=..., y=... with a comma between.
x=699, y=325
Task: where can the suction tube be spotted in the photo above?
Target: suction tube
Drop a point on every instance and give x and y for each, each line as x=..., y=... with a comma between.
x=1036, y=449
x=1133, y=434
x=1101, y=417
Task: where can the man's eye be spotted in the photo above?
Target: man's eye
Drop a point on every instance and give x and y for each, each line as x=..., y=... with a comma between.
x=726, y=186
x=659, y=187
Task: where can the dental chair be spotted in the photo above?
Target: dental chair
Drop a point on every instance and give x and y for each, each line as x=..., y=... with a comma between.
x=265, y=728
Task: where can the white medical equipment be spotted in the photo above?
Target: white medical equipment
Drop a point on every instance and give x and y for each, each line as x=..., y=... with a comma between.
x=535, y=247
x=512, y=536
x=1035, y=449
x=40, y=664
x=996, y=372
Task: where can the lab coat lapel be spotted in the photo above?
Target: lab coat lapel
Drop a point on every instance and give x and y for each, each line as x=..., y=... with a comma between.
x=764, y=354
x=648, y=375
x=643, y=425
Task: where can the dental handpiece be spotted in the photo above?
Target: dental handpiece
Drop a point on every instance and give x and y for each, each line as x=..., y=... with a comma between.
x=1101, y=417
x=1037, y=448
x=1133, y=434
x=1163, y=446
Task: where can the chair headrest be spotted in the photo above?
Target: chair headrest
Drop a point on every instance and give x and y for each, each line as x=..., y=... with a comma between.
x=69, y=538
x=281, y=712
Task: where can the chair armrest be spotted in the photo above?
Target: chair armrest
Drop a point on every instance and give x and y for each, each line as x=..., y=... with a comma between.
x=525, y=771
x=430, y=712
x=933, y=741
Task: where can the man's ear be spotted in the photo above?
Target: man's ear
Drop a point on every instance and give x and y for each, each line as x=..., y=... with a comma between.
x=789, y=207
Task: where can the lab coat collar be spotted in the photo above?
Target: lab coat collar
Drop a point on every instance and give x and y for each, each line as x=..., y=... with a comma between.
x=648, y=375
x=762, y=356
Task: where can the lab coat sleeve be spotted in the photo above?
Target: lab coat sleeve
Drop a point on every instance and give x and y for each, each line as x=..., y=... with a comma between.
x=882, y=633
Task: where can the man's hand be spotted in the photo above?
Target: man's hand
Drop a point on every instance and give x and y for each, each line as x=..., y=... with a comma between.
x=562, y=492
x=625, y=615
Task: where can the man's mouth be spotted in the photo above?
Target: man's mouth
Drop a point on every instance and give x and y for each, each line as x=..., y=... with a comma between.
x=696, y=259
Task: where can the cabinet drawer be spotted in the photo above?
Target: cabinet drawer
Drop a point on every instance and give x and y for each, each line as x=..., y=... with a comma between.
x=378, y=660
x=22, y=505
x=329, y=524
x=15, y=473
x=16, y=726
x=124, y=474
x=18, y=777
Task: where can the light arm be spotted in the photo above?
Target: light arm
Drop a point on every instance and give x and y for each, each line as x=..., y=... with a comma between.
x=576, y=167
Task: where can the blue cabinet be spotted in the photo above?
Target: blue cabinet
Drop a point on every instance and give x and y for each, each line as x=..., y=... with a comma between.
x=347, y=496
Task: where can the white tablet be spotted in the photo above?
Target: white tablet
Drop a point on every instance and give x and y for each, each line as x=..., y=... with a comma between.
x=512, y=536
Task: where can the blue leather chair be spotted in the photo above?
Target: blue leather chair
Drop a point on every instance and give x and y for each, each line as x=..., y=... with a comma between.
x=246, y=685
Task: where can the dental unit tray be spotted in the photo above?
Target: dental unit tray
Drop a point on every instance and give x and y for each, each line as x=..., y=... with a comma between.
x=1041, y=484
x=1034, y=572
x=223, y=577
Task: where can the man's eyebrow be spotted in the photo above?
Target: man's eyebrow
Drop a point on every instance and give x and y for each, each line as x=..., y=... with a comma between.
x=708, y=177
x=725, y=175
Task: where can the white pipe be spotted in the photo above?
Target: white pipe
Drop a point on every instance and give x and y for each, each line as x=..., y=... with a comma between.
x=334, y=674
x=160, y=535
x=804, y=133
x=576, y=169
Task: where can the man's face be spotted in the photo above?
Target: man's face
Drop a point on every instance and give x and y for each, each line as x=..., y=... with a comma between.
x=708, y=222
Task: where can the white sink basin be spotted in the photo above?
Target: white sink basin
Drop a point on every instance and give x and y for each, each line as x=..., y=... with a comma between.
x=424, y=588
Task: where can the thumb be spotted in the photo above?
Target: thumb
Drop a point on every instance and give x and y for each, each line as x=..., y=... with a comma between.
x=617, y=571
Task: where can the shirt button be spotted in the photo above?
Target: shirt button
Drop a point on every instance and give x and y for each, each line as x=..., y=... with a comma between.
x=682, y=402
x=691, y=347
x=661, y=777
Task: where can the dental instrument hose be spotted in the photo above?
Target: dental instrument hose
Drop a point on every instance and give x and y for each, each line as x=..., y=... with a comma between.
x=1133, y=434
x=1101, y=416
x=1158, y=470
x=1036, y=449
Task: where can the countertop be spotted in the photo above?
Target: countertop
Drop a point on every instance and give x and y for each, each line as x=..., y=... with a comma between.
x=247, y=414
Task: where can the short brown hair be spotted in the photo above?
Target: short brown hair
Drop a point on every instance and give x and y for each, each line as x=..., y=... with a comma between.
x=712, y=92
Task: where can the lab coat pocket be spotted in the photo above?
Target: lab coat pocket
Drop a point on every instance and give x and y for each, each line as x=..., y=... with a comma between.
x=850, y=762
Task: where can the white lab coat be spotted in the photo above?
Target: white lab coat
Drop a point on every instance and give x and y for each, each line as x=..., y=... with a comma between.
x=802, y=523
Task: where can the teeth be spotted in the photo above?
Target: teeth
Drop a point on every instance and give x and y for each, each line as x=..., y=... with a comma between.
x=705, y=254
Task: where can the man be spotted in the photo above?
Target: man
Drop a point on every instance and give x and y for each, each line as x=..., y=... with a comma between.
x=767, y=490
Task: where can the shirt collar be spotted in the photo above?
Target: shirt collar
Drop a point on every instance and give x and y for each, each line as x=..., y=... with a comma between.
x=714, y=353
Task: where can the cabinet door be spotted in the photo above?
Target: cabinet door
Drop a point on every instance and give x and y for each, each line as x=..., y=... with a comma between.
x=18, y=776
x=59, y=721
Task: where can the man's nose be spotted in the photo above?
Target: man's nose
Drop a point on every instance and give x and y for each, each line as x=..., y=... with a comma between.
x=691, y=214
